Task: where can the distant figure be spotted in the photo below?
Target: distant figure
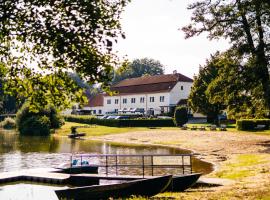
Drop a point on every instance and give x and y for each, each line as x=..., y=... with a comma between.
x=74, y=130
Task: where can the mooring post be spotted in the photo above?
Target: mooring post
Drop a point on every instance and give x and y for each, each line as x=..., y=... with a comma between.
x=183, y=164
x=116, y=165
x=152, y=165
x=106, y=157
x=190, y=161
x=143, y=164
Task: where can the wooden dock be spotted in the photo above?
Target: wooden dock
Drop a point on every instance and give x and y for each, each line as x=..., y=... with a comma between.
x=54, y=177
x=35, y=175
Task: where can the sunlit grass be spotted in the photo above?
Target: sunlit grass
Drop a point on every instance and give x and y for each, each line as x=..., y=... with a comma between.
x=242, y=166
x=96, y=130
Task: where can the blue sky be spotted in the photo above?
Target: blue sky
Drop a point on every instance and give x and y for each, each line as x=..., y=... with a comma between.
x=152, y=30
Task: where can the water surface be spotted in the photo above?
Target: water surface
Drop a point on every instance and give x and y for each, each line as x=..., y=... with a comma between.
x=23, y=152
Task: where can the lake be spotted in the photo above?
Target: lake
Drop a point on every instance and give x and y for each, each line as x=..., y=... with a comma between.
x=23, y=152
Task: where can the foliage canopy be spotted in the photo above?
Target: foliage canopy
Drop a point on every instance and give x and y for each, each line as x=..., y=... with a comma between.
x=138, y=68
x=245, y=24
x=54, y=37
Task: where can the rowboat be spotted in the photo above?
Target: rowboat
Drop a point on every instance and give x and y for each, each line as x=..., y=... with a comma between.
x=143, y=187
x=183, y=182
x=76, y=135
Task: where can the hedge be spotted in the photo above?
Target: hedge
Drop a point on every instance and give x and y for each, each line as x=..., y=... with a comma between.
x=120, y=122
x=251, y=124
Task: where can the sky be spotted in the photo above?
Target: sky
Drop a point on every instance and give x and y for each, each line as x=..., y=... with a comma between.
x=153, y=30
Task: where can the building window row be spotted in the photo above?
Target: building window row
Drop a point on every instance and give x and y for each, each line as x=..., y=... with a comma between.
x=96, y=112
x=133, y=100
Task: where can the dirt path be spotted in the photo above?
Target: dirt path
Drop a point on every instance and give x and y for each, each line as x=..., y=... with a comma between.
x=220, y=148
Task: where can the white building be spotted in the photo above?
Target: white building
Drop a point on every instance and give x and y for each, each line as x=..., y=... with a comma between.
x=148, y=94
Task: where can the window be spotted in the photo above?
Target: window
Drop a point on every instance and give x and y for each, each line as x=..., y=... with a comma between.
x=108, y=101
x=124, y=101
x=116, y=101
x=116, y=110
x=142, y=100
x=152, y=99
x=94, y=112
x=161, y=98
x=99, y=111
x=133, y=100
x=182, y=87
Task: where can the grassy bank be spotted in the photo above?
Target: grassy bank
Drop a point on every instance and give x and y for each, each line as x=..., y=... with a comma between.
x=247, y=158
x=101, y=130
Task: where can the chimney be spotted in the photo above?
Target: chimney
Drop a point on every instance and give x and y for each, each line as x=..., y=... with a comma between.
x=174, y=71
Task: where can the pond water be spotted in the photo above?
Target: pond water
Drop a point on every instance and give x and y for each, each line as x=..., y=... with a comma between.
x=24, y=191
x=23, y=152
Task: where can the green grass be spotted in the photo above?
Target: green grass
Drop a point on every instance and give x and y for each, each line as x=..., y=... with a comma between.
x=102, y=130
x=241, y=166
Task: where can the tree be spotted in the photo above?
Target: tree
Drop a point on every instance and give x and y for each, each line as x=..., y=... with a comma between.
x=199, y=97
x=180, y=116
x=46, y=38
x=138, y=68
x=245, y=23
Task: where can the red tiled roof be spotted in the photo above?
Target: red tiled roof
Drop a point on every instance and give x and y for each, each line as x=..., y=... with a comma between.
x=154, y=79
x=149, y=84
x=95, y=101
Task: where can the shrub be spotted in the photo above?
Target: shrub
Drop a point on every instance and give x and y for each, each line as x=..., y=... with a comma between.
x=180, y=116
x=8, y=123
x=25, y=115
x=120, y=122
x=35, y=125
x=250, y=124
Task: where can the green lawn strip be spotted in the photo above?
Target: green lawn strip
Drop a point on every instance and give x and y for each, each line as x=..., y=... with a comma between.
x=101, y=130
x=242, y=166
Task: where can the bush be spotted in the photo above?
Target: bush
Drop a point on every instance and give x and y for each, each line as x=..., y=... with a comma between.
x=47, y=115
x=180, y=116
x=120, y=122
x=8, y=123
x=251, y=124
x=35, y=125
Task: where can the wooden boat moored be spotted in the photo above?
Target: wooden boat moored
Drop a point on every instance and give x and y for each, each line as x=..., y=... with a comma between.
x=183, y=182
x=76, y=135
x=143, y=187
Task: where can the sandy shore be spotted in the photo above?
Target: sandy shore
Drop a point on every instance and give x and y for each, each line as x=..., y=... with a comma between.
x=212, y=146
x=218, y=147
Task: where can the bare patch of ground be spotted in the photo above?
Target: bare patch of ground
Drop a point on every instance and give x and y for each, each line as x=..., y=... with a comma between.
x=229, y=151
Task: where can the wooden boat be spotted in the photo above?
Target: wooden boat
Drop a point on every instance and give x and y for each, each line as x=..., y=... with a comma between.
x=183, y=182
x=76, y=135
x=142, y=187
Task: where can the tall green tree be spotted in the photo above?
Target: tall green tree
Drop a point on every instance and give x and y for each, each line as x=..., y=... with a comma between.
x=53, y=37
x=138, y=68
x=199, y=97
x=245, y=23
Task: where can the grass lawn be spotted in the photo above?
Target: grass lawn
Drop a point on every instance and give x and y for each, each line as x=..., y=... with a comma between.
x=102, y=130
x=242, y=168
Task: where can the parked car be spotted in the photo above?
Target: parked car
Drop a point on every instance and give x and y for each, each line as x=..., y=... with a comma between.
x=122, y=117
x=111, y=117
x=104, y=117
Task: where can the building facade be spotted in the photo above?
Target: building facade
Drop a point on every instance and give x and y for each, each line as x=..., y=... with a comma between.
x=147, y=95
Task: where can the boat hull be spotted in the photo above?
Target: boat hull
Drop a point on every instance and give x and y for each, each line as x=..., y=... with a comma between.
x=183, y=182
x=143, y=187
x=77, y=135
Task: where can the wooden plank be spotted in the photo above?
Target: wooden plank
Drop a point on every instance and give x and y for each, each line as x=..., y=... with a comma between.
x=112, y=177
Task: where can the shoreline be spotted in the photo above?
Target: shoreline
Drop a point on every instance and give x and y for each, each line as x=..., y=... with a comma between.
x=241, y=158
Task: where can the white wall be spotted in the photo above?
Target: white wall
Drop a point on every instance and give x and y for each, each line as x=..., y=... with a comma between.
x=146, y=105
x=176, y=93
x=170, y=98
x=97, y=108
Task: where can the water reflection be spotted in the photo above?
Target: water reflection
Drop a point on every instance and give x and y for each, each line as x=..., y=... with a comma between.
x=22, y=152
x=23, y=191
